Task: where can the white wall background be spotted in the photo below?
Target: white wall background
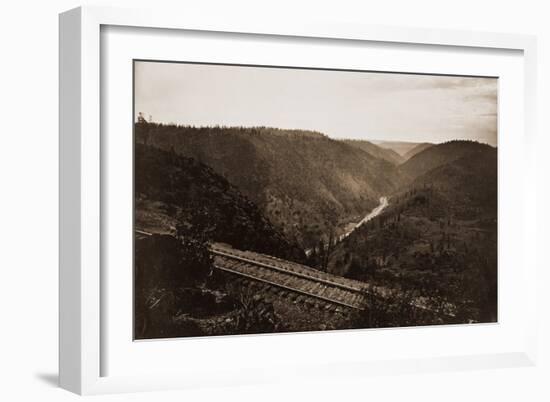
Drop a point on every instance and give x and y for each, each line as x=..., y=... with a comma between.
x=28, y=202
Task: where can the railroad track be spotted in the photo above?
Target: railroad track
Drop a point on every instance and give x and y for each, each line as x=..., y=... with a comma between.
x=303, y=281
x=306, y=283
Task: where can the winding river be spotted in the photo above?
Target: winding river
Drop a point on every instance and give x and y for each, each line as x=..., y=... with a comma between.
x=372, y=214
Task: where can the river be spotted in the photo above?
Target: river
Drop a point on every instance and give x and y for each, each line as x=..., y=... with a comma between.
x=372, y=214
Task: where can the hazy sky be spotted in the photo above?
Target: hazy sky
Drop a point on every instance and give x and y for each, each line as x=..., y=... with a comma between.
x=375, y=106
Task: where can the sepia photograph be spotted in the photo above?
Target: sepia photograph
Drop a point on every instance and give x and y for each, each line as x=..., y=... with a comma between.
x=283, y=199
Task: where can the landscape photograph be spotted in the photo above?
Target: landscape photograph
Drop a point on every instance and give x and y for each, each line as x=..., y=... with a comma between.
x=277, y=199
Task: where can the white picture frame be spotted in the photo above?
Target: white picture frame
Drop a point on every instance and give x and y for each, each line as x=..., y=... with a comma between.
x=82, y=309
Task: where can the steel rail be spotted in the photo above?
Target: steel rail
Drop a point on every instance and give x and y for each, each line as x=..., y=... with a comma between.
x=289, y=271
x=292, y=289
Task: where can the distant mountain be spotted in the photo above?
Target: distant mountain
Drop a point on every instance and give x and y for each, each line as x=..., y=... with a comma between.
x=438, y=155
x=399, y=147
x=383, y=153
x=304, y=182
x=172, y=190
x=417, y=149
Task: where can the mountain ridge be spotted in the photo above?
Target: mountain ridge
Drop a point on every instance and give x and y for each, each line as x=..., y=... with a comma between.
x=400, y=147
x=369, y=147
x=438, y=155
x=416, y=150
x=306, y=183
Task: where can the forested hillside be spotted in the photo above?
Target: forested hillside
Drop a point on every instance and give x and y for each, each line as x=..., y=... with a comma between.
x=439, y=155
x=467, y=185
x=305, y=183
x=438, y=238
x=172, y=191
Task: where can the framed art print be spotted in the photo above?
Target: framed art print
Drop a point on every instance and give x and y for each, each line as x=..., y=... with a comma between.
x=273, y=199
x=324, y=198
